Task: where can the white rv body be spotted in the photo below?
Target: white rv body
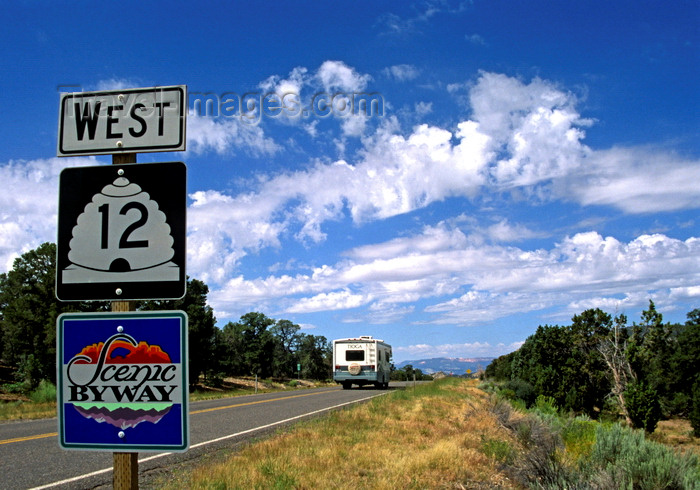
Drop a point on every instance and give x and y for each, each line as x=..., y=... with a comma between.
x=361, y=361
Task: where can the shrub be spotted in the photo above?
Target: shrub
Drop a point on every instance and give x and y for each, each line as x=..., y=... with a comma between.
x=29, y=371
x=215, y=379
x=499, y=450
x=522, y=389
x=578, y=435
x=546, y=405
x=20, y=387
x=624, y=456
x=44, y=393
x=643, y=406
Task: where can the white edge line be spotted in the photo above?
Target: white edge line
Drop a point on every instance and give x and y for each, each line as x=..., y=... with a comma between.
x=230, y=436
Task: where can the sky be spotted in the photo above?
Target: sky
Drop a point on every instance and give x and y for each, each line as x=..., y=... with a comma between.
x=444, y=175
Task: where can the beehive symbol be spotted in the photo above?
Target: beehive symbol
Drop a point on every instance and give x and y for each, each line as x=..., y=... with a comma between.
x=121, y=235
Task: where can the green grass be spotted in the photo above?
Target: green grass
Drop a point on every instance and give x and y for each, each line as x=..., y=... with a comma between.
x=44, y=393
x=498, y=449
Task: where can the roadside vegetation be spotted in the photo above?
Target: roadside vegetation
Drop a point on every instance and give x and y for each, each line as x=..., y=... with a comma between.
x=603, y=367
x=449, y=434
x=556, y=449
x=38, y=403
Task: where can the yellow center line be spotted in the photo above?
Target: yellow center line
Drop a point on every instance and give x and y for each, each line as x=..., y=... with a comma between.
x=54, y=434
x=28, y=438
x=257, y=402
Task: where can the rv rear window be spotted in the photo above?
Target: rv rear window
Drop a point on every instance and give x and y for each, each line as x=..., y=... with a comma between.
x=354, y=355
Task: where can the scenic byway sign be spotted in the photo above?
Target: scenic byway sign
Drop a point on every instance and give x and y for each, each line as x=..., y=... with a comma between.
x=121, y=232
x=122, y=382
x=129, y=120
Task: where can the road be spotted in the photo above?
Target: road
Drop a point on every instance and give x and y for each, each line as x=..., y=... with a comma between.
x=30, y=456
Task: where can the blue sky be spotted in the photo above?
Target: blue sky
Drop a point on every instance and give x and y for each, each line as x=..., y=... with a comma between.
x=524, y=161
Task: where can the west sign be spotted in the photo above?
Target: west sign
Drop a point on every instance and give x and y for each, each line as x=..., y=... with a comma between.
x=122, y=382
x=129, y=120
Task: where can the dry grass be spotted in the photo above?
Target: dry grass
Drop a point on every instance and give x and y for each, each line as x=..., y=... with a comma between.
x=21, y=409
x=432, y=438
x=677, y=433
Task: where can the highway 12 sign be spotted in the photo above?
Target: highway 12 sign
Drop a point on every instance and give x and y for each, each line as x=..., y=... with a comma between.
x=122, y=381
x=130, y=120
x=121, y=232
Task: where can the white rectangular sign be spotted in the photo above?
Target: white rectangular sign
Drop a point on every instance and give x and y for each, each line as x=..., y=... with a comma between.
x=119, y=121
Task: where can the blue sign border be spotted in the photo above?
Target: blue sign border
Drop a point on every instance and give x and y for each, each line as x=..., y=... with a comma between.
x=165, y=328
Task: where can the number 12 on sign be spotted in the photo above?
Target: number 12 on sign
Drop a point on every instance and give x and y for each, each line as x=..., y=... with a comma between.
x=124, y=241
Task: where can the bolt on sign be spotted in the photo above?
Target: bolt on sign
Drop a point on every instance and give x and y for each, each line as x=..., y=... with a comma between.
x=121, y=232
x=123, y=381
x=130, y=120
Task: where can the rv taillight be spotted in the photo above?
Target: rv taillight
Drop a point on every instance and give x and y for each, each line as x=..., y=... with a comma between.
x=371, y=367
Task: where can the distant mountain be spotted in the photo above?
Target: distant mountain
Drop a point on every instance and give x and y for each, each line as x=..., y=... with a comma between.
x=448, y=365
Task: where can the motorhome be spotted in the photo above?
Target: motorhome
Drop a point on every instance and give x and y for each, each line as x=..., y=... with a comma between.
x=361, y=361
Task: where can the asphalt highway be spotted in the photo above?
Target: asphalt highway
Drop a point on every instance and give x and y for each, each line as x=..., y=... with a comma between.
x=30, y=456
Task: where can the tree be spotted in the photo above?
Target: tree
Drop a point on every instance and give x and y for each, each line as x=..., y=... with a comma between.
x=563, y=362
x=548, y=362
x=587, y=331
x=314, y=355
x=500, y=368
x=695, y=409
x=252, y=344
x=685, y=367
x=613, y=348
x=287, y=339
x=28, y=313
x=201, y=326
x=643, y=406
x=231, y=349
x=407, y=373
x=658, y=345
x=649, y=351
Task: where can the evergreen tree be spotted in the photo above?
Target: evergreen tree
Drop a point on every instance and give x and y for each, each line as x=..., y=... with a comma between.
x=592, y=385
x=643, y=406
x=287, y=338
x=201, y=326
x=650, y=354
x=685, y=366
x=28, y=313
x=315, y=354
x=563, y=363
x=252, y=345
